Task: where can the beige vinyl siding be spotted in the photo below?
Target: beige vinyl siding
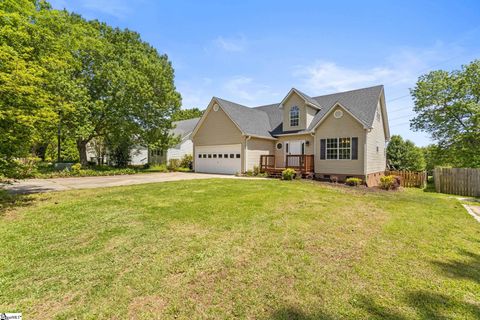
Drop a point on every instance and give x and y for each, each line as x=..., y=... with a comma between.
x=376, y=161
x=347, y=126
x=218, y=129
x=280, y=153
x=310, y=113
x=256, y=147
x=294, y=100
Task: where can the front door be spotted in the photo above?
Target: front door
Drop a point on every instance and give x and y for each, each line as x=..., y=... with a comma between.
x=294, y=147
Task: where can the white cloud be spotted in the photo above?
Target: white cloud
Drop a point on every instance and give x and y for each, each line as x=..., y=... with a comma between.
x=400, y=69
x=327, y=76
x=232, y=44
x=245, y=90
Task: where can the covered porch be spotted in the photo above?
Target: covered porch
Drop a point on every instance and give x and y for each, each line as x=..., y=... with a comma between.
x=302, y=163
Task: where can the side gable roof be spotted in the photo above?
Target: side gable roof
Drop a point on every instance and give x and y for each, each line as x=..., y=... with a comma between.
x=184, y=128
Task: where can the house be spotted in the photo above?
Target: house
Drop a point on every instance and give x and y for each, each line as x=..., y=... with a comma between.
x=140, y=155
x=342, y=134
x=183, y=130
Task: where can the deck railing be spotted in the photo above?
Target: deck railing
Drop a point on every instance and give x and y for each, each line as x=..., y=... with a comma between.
x=299, y=162
x=302, y=162
x=267, y=161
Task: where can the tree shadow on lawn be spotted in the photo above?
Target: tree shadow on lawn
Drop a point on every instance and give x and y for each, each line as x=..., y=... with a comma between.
x=468, y=268
x=9, y=201
x=427, y=305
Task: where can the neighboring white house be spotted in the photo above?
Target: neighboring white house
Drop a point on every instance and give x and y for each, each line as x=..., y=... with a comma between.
x=142, y=155
x=183, y=129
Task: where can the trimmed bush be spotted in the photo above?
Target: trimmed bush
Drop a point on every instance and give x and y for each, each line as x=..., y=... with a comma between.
x=388, y=182
x=173, y=164
x=288, y=174
x=186, y=161
x=76, y=168
x=353, y=182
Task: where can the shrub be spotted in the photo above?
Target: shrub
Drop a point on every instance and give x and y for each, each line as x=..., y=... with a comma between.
x=19, y=169
x=157, y=168
x=249, y=173
x=76, y=168
x=173, y=164
x=256, y=170
x=389, y=182
x=288, y=174
x=186, y=161
x=353, y=182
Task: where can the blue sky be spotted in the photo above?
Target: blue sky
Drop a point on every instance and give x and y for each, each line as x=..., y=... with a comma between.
x=253, y=52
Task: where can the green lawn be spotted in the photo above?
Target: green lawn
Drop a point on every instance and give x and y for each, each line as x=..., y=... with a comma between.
x=226, y=248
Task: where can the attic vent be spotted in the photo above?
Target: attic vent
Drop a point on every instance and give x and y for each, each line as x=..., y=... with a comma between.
x=215, y=107
x=338, y=114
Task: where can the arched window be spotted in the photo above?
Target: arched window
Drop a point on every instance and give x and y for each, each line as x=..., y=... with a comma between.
x=294, y=116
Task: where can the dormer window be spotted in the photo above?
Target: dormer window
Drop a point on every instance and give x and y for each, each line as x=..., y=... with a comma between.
x=294, y=116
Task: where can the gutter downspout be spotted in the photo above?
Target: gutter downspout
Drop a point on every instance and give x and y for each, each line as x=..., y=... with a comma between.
x=365, y=154
x=246, y=151
x=314, y=151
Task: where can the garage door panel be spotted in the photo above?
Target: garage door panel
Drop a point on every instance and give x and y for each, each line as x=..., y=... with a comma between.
x=224, y=159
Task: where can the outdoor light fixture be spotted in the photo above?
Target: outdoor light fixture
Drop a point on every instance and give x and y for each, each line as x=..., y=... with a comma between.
x=307, y=143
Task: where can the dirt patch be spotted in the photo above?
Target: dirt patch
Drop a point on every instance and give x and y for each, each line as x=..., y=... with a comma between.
x=151, y=306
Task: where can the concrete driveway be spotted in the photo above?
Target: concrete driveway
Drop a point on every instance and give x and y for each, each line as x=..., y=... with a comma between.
x=61, y=184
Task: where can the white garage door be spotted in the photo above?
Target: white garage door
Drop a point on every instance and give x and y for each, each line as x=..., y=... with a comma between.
x=218, y=159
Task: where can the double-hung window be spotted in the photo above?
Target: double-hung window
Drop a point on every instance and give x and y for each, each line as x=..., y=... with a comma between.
x=344, y=148
x=294, y=116
x=332, y=148
x=339, y=148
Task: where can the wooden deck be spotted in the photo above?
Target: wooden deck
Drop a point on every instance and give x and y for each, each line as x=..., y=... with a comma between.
x=303, y=164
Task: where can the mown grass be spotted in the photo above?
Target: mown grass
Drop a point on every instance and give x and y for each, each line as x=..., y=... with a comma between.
x=263, y=249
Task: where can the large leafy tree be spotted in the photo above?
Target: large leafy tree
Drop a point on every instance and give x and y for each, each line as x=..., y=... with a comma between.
x=447, y=105
x=26, y=53
x=129, y=88
x=185, y=114
x=89, y=80
x=404, y=155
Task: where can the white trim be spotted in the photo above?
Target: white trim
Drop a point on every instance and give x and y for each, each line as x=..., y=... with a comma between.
x=338, y=104
x=338, y=148
x=280, y=105
x=383, y=107
x=365, y=154
x=260, y=137
x=290, y=118
x=294, y=134
x=245, y=153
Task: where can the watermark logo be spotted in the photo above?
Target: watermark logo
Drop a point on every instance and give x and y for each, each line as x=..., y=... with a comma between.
x=10, y=316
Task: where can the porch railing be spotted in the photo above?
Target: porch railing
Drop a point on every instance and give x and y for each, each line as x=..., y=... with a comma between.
x=267, y=162
x=302, y=162
x=299, y=162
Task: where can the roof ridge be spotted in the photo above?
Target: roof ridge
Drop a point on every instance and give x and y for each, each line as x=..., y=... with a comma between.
x=348, y=91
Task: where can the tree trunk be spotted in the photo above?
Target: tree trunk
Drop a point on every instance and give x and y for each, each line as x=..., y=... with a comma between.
x=82, y=151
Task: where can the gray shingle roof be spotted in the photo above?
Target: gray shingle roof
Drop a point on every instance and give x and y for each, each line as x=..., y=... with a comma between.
x=184, y=128
x=251, y=121
x=362, y=103
x=266, y=121
x=309, y=99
